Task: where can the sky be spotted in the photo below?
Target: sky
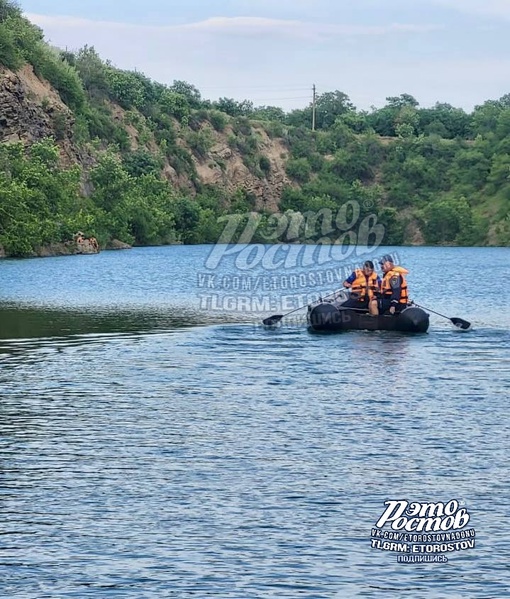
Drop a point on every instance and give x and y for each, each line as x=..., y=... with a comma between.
x=273, y=51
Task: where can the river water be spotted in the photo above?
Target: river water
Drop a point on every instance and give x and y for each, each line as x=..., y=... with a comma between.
x=157, y=441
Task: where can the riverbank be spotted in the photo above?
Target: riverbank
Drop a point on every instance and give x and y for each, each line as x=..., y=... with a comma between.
x=71, y=248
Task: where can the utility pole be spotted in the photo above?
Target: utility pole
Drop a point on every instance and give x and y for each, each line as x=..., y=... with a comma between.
x=314, y=98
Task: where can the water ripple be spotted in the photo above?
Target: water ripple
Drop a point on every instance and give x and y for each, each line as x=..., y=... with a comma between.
x=145, y=453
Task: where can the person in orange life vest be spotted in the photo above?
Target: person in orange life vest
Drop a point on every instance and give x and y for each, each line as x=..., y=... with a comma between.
x=364, y=285
x=394, y=294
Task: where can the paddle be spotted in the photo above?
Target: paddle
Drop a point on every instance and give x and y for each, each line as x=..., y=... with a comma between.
x=272, y=320
x=458, y=322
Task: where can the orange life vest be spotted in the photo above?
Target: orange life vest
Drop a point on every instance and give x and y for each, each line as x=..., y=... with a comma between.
x=363, y=285
x=386, y=288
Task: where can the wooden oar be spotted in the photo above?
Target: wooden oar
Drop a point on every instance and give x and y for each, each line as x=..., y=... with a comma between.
x=460, y=323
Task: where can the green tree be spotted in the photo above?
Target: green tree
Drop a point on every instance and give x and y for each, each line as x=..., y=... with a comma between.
x=110, y=180
x=268, y=113
x=141, y=162
x=125, y=88
x=448, y=220
x=233, y=107
x=330, y=106
x=187, y=91
x=444, y=120
x=393, y=226
x=9, y=55
x=93, y=72
x=499, y=175
x=187, y=219
x=218, y=120
x=402, y=101
x=174, y=104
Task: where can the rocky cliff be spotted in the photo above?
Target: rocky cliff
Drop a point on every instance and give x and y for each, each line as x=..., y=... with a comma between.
x=30, y=110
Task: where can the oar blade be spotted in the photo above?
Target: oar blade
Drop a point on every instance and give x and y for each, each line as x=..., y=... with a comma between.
x=460, y=323
x=272, y=320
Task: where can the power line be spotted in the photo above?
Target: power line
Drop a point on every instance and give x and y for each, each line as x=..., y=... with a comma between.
x=280, y=98
x=259, y=87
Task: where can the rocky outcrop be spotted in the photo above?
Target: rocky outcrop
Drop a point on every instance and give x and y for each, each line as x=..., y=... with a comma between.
x=115, y=244
x=224, y=167
x=30, y=109
x=55, y=249
x=79, y=245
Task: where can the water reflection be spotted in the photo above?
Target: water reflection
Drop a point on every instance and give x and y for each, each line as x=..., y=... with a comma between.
x=28, y=323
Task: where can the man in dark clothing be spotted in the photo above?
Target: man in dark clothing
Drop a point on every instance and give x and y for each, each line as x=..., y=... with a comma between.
x=394, y=294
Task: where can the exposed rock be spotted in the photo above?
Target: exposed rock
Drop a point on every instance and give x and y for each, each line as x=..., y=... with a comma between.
x=414, y=233
x=115, y=244
x=55, y=249
x=224, y=166
x=31, y=109
x=79, y=245
x=2, y=252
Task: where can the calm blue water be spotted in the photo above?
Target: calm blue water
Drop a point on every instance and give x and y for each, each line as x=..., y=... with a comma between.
x=150, y=447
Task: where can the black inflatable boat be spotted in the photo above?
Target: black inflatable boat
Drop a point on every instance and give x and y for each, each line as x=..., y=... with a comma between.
x=330, y=316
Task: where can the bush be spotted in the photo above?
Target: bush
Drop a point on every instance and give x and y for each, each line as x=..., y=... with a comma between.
x=316, y=161
x=448, y=220
x=49, y=65
x=9, y=55
x=175, y=104
x=252, y=164
x=218, y=120
x=299, y=169
x=247, y=146
x=275, y=129
x=60, y=125
x=195, y=120
x=303, y=148
x=265, y=164
x=181, y=160
x=141, y=162
x=241, y=126
x=125, y=88
x=200, y=141
x=350, y=167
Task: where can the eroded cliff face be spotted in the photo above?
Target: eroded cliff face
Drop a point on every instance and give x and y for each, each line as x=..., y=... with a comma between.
x=224, y=167
x=30, y=110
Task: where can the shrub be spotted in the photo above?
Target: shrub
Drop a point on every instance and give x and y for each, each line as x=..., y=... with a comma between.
x=241, y=126
x=60, y=125
x=265, y=164
x=299, y=169
x=141, y=162
x=200, y=141
x=218, y=120
x=49, y=64
x=274, y=129
x=9, y=55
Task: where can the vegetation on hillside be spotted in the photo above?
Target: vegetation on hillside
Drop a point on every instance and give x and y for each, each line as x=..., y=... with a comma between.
x=440, y=171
